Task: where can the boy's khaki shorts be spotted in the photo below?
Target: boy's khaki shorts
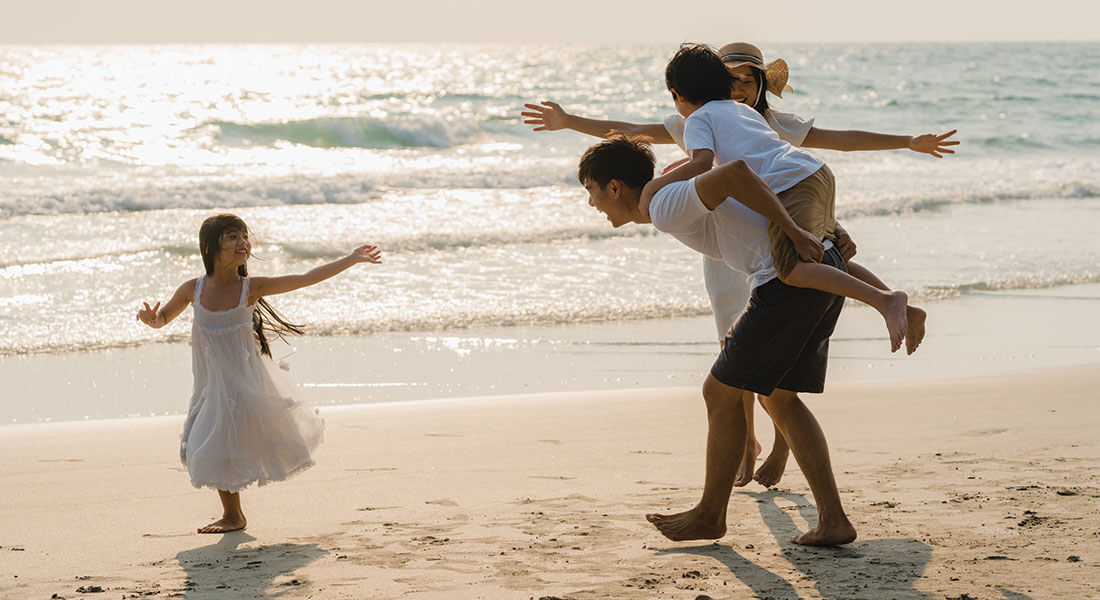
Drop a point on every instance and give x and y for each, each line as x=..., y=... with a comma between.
x=811, y=203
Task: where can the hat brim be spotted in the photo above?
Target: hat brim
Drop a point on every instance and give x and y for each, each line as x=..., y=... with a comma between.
x=776, y=72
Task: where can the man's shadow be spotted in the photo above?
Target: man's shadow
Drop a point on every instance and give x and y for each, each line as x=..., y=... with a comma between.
x=876, y=568
x=222, y=570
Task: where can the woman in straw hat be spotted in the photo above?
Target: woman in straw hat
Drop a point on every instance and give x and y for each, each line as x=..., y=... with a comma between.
x=728, y=291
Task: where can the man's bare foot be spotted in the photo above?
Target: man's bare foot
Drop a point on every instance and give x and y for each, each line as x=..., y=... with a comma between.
x=769, y=473
x=896, y=322
x=914, y=335
x=224, y=525
x=748, y=461
x=841, y=533
x=687, y=526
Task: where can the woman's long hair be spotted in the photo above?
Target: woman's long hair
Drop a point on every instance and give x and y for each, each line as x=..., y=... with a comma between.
x=761, y=105
x=264, y=316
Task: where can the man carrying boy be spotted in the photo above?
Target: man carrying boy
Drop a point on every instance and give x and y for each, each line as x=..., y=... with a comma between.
x=777, y=348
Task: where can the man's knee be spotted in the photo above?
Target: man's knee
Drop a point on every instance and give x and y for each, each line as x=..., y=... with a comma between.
x=719, y=396
x=778, y=400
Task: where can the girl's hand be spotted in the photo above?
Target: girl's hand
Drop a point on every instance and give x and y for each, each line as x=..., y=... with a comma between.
x=367, y=253
x=549, y=116
x=148, y=315
x=933, y=144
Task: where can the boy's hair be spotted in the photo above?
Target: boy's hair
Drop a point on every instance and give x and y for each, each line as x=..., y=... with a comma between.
x=698, y=75
x=622, y=157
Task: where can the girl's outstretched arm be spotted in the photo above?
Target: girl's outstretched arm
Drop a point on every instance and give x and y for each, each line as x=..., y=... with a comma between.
x=157, y=317
x=269, y=286
x=833, y=139
x=550, y=116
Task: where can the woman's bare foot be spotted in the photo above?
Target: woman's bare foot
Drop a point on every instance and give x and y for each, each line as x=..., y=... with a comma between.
x=748, y=461
x=894, y=311
x=225, y=524
x=914, y=334
x=835, y=535
x=688, y=525
x=769, y=473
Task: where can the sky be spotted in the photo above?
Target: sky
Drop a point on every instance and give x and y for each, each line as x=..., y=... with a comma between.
x=566, y=21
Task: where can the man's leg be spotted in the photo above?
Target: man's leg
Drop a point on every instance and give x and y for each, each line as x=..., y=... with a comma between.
x=807, y=443
x=725, y=444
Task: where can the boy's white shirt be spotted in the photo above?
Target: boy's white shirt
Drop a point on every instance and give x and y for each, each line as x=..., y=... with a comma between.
x=790, y=127
x=732, y=131
x=732, y=232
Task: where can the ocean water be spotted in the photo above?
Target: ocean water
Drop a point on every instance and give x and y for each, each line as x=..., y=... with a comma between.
x=111, y=156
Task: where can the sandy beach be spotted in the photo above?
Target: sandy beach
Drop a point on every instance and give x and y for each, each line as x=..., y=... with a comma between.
x=975, y=488
x=518, y=384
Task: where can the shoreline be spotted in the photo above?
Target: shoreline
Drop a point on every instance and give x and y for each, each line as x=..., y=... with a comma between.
x=981, y=333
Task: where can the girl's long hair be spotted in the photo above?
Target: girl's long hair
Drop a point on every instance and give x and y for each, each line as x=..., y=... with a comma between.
x=264, y=316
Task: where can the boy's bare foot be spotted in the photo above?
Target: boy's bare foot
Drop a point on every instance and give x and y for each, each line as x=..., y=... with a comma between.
x=841, y=533
x=896, y=323
x=914, y=334
x=769, y=473
x=225, y=525
x=687, y=525
x=748, y=461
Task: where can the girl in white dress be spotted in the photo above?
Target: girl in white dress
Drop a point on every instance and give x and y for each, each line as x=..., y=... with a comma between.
x=247, y=422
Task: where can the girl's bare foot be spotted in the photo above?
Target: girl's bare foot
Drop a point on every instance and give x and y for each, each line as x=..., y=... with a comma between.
x=748, y=461
x=894, y=311
x=688, y=525
x=835, y=535
x=769, y=473
x=914, y=334
x=225, y=524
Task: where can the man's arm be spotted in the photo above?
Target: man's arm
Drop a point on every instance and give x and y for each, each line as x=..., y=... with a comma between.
x=833, y=139
x=735, y=179
x=550, y=116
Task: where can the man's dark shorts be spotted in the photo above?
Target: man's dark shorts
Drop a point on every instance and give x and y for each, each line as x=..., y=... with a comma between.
x=781, y=340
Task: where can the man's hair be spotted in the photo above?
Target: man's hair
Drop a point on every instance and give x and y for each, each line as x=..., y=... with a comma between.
x=628, y=159
x=698, y=75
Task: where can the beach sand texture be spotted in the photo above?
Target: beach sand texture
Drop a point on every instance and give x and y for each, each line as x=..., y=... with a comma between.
x=977, y=488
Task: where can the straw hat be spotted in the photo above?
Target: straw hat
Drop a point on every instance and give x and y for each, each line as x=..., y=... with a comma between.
x=740, y=53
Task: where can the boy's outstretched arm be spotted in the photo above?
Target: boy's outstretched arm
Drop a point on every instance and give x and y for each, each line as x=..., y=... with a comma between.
x=269, y=286
x=736, y=180
x=550, y=116
x=849, y=140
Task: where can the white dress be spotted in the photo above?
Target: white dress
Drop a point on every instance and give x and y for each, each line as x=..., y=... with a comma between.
x=247, y=423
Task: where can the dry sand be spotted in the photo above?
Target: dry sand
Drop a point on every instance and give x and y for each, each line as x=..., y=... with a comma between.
x=976, y=488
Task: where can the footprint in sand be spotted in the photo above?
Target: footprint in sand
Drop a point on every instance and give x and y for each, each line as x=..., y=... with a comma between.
x=442, y=502
x=371, y=469
x=984, y=432
x=556, y=477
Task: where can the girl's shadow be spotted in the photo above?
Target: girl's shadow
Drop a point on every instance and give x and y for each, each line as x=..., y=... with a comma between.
x=221, y=570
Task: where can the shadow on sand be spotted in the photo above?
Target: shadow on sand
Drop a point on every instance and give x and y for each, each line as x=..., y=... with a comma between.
x=223, y=570
x=871, y=569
